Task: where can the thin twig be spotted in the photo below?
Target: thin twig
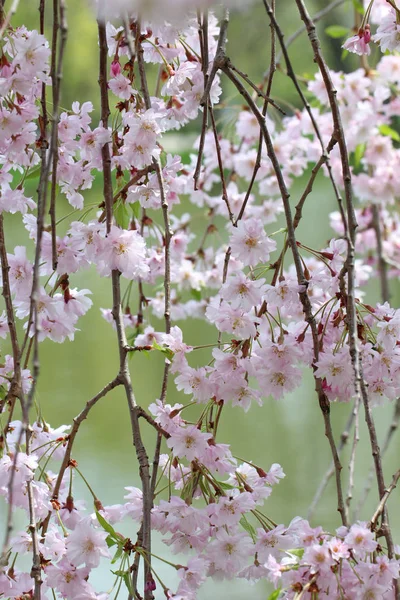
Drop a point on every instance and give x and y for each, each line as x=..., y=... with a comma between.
x=208, y=81
x=124, y=374
x=384, y=499
x=394, y=425
x=148, y=503
x=359, y=383
x=382, y=268
x=352, y=463
x=331, y=471
x=59, y=23
x=305, y=301
x=6, y=21
x=317, y=17
x=220, y=165
x=78, y=420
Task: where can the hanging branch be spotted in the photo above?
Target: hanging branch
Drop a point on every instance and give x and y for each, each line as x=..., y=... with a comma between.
x=292, y=75
x=389, y=435
x=77, y=422
x=344, y=438
x=167, y=317
x=305, y=301
x=317, y=17
x=208, y=81
x=59, y=23
x=15, y=391
x=382, y=269
x=383, y=501
x=124, y=374
x=359, y=383
x=6, y=19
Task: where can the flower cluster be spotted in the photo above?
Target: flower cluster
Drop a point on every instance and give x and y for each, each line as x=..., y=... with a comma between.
x=231, y=274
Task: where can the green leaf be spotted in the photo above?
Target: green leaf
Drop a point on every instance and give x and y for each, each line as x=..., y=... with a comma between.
x=135, y=207
x=225, y=486
x=107, y=527
x=122, y=215
x=128, y=583
x=119, y=573
x=388, y=131
x=274, y=595
x=337, y=31
x=34, y=173
x=117, y=555
x=358, y=154
x=196, y=294
x=296, y=552
x=110, y=541
x=166, y=351
x=248, y=527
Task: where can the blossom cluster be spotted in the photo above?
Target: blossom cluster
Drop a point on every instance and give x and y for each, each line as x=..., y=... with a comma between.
x=214, y=506
x=387, y=15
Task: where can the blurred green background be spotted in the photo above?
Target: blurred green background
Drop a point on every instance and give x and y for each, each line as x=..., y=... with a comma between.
x=289, y=432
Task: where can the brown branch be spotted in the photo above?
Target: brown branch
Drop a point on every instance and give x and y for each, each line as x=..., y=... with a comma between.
x=317, y=17
x=331, y=471
x=124, y=374
x=356, y=439
x=292, y=75
x=59, y=23
x=149, y=501
x=78, y=420
x=5, y=20
x=384, y=499
x=208, y=81
x=220, y=165
x=383, y=276
x=389, y=435
x=359, y=383
x=303, y=295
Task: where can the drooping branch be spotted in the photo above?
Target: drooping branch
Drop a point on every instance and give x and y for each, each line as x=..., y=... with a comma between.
x=359, y=383
x=77, y=422
x=124, y=374
x=56, y=73
x=305, y=301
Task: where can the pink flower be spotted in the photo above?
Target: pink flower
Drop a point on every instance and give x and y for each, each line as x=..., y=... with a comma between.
x=121, y=86
x=387, y=34
x=249, y=242
x=124, y=251
x=229, y=551
x=20, y=272
x=360, y=539
x=359, y=44
x=195, y=382
x=188, y=442
x=85, y=545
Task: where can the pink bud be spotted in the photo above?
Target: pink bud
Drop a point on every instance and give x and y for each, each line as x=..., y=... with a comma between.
x=115, y=68
x=150, y=585
x=367, y=34
x=6, y=71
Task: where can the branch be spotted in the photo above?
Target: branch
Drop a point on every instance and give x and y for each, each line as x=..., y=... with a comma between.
x=124, y=374
x=56, y=77
x=359, y=383
x=208, y=81
x=381, y=259
x=389, y=434
x=384, y=499
x=331, y=471
x=305, y=301
x=78, y=420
